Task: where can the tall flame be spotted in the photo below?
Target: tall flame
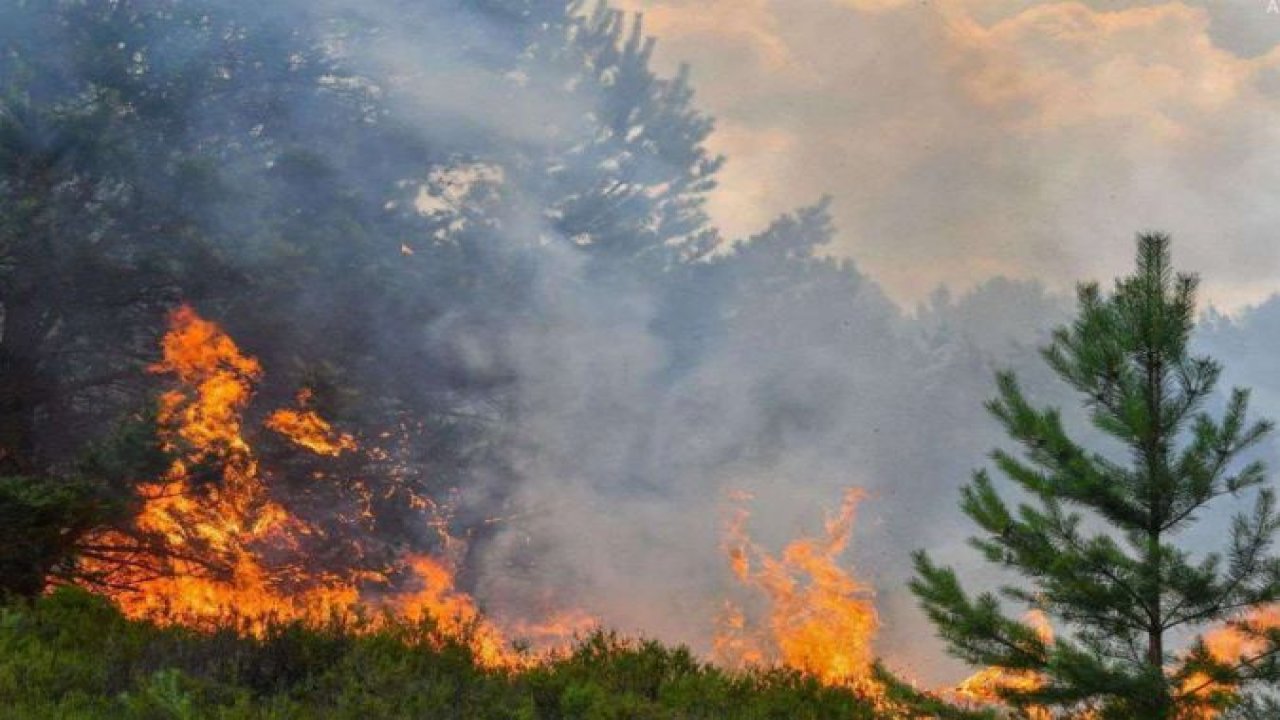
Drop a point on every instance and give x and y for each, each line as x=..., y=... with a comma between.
x=231, y=549
x=212, y=508
x=819, y=618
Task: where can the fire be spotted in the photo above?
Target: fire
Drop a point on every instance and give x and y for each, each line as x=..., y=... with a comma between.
x=307, y=429
x=820, y=619
x=211, y=508
x=455, y=612
x=551, y=631
x=1231, y=644
x=233, y=551
x=984, y=686
x=1227, y=644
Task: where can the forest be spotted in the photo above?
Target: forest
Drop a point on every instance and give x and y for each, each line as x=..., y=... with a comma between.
x=382, y=359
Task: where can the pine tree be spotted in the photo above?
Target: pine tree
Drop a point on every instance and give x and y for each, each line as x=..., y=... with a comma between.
x=1097, y=538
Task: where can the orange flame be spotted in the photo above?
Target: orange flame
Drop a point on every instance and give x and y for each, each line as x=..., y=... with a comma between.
x=456, y=613
x=1231, y=645
x=1227, y=644
x=212, y=508
x=820, y=619
x=307, y=429
x=220, y=522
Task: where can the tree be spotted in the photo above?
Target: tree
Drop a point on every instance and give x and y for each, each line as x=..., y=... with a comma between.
x=633, y=186
x=47, y=521
x=264, y=162
x=1097, y=537
x=120, y=126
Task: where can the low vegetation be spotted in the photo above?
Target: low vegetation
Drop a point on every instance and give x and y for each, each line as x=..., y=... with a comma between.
x=73, y=655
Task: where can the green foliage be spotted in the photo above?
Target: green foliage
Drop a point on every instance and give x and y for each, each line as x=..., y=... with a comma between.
x=41, y=521
x=608, y=677
x=45, y=521
x=1112, y=576
x=72, y=655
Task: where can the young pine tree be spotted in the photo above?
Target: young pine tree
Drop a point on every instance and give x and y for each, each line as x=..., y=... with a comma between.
x=1096, y=542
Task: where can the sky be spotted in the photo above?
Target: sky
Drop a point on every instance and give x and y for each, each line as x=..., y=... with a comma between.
x=966, y=139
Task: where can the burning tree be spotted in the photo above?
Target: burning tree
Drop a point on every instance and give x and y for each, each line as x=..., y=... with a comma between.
x=213, y=544
x=1098, y=539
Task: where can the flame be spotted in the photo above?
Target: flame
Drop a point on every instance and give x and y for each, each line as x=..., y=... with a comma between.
x=984, y=686
x=212, y=508
x=307, y=429
x=820, y=619
x=1227, y=644
x=231, y=550
x=455, y=612
x=1230, y=644
x=551, y=631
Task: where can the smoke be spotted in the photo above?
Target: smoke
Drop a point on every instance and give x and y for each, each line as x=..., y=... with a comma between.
x=810, y=382
x=969, y=138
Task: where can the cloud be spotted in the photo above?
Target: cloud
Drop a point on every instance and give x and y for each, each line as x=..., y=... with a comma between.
x=964, y=140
